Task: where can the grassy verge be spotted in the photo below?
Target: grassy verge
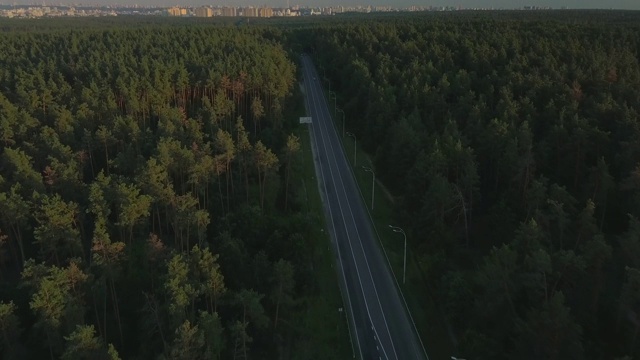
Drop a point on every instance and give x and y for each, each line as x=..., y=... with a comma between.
x=326, y=335
x=428, y=317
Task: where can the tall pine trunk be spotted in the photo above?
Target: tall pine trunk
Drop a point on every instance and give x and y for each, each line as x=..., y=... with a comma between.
x=286, y=186
x=116, y=307
x=275, y=321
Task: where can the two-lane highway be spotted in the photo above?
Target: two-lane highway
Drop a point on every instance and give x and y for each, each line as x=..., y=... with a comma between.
x=379, y=322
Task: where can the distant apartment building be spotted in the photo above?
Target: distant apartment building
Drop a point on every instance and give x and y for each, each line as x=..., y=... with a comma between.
x=204, y=12
x=176, y=11
x=250, y=11
x=229, y=11
x=265, y=12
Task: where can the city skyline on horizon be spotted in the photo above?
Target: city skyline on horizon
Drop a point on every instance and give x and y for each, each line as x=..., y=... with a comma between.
x=466, y=4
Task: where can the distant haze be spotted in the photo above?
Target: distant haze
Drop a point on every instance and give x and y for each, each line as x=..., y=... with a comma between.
x=498, y=4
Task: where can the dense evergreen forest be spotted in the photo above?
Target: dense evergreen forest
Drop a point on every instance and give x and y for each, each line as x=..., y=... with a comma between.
x=148, y=207
x=511, y=145
x=145, y=202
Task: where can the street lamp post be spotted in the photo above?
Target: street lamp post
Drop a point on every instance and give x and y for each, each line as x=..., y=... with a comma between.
x=335, y=104
x=332, y=95
x=342, y=111
x=373, y=183
x=354, y=147
x=404, y=268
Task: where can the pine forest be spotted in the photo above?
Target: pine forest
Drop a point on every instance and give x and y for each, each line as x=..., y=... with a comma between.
x=152, y=207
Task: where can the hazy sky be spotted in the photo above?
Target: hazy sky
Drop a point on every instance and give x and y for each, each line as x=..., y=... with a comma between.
x=573, y=4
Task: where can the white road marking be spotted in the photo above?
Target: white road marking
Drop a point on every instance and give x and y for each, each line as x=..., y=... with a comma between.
x=335, y=162
x=334, y=231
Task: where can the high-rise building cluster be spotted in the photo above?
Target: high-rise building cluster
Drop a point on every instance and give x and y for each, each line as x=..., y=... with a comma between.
x=248, y=11
x=35, y=11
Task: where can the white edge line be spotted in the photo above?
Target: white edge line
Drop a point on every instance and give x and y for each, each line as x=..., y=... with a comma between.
x=344, y=191
x=318, y=166
x=346, y=229
x=385, y=254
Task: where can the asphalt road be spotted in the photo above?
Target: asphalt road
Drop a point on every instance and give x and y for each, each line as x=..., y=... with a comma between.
x=379, y=323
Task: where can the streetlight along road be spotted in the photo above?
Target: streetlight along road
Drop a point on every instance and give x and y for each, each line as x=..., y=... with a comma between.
x=404, y=267
x=373, y=184
x=354, y=147
x=332, y=95
x=342, y=111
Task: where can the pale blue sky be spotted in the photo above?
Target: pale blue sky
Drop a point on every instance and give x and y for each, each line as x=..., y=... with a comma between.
x=573, y=4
